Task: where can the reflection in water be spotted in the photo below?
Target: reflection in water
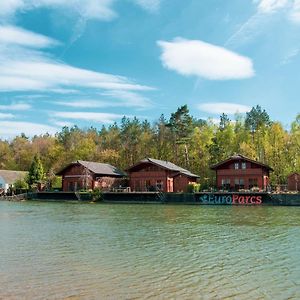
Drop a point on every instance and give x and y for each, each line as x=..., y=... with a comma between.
x=88, y=251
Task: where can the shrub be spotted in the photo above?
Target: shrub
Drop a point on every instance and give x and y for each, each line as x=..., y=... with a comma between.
x=193, y=187
x=97, y=195
x=21, y=185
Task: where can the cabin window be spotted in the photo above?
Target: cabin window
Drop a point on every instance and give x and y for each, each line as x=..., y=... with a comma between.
x=239, y=183
x=244, y=165
x=159, y=185
x=137, y=185
x=242, y=184
x=236, y=183
x=147, y=185
x=253, y=182
x=225, y=183
x=71, y=186
x=236, y=166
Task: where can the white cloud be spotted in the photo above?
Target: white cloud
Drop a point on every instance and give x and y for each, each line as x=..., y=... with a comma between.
x=290, y=56
x=90, y=9
x=223, y=107
x=10, y=128
x=84, y=103
x=129, y=98
x=290, y=7
x=257, y=23
x=61, y=123
x=194, y=57
x=9, y=7
x=270, y=6
x=253, y=27
x=87, y=9
x=18, y=36
x=6, y=116
x=120, y=99
x=16, y=106
x=37, y=74
x=295, y=12
x=149, y=5
x=104, y=118
x=25, y=69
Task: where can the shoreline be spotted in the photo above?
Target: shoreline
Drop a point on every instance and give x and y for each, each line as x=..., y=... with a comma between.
x=201, y=198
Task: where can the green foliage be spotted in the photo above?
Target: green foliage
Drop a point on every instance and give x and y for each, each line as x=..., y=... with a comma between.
x=179, y=138
x=97, y=195
x=257, y=118
x=193, y=188
x=21, y=184
x=56, y=183
x=36, y=171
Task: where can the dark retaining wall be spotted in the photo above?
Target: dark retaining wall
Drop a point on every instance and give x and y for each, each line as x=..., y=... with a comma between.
x=184, y=198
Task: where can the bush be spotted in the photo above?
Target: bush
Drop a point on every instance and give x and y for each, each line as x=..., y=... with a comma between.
x=97, y=195
x=21, y=185
x=193, y=187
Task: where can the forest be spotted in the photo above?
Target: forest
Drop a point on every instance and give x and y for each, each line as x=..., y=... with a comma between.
x=191, y=143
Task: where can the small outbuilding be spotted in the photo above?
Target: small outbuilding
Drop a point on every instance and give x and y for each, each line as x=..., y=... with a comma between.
x=294, y=182
x=8, y=178
x=152, y=174
x=239, y=172
x=90, y=175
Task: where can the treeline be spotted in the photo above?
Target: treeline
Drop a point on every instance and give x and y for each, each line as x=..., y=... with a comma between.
x=191, y=143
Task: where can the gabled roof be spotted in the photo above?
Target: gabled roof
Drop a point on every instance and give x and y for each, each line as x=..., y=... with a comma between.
x=11, y=177
x=166, y=165
x=240, y=157
x=293, y=174
x=96, y=168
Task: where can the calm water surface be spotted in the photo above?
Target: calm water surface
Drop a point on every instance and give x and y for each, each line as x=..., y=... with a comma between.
x=111, y=251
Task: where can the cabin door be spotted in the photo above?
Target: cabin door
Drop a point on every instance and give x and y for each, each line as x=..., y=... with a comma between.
x=170, y=185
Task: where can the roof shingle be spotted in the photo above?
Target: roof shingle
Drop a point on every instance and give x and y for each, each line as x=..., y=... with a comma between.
x=166, y=165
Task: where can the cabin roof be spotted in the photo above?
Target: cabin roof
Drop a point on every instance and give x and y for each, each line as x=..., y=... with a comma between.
x=96, y=168
x=239, y=157
x=293, y=174
x=166, y=165
x=10, y=176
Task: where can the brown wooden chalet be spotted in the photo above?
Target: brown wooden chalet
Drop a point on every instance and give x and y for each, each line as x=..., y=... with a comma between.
x=239, y=172
x=152, y=174
x=90, y=175
x=294, y=182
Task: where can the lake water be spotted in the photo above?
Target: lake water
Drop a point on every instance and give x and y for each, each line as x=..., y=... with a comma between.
x=119, y=251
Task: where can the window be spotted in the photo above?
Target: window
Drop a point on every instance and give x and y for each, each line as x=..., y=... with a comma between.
x=253, y=182
x=239, y=183
x=236, y=184
x=159, y=185
x=147, y=185
x=225, y=183
x=242, y=184
x=244, y=165
x=71, y=186
x=236, y=166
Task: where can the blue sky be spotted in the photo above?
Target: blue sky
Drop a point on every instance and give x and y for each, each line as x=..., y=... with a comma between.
x=66, y=62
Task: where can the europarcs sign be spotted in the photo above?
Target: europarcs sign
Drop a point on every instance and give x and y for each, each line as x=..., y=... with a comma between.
x=231, y=199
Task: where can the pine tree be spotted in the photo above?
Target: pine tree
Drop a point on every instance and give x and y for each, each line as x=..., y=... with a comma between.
x=36, y=171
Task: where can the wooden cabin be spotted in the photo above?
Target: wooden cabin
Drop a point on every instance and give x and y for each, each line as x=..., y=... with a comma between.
x=239, y=172
x=152, y=174
x=293, y=182
x=90, y=175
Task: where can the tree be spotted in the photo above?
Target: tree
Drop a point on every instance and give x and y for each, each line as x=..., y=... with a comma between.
x=257, y=118
x=36, y=171
x=181, y=126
